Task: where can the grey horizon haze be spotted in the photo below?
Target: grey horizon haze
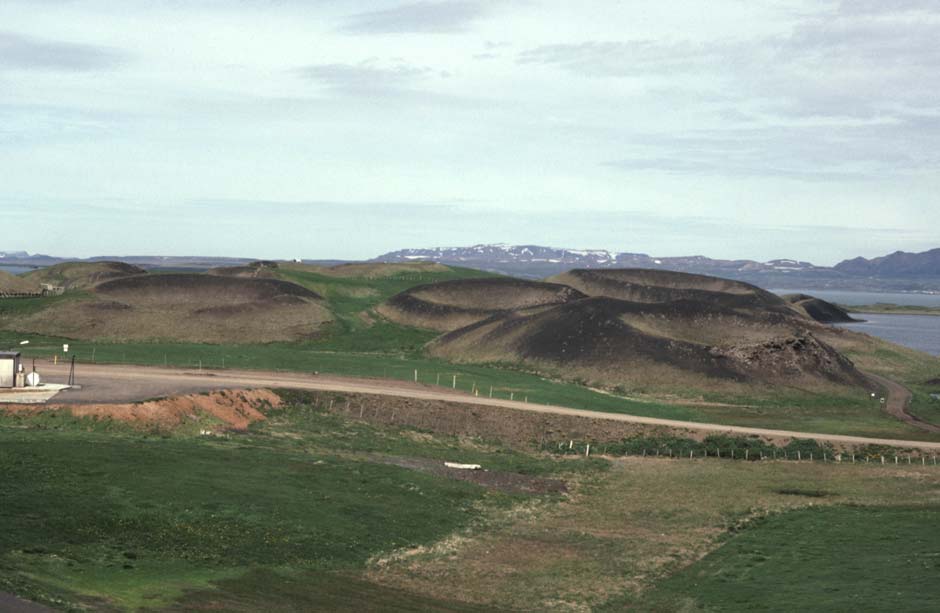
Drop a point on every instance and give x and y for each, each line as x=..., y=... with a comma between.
x=281, y=128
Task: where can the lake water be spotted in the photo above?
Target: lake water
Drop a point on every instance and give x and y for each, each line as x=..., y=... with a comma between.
x=920, y=332
x=856, y=298
x=15, y=270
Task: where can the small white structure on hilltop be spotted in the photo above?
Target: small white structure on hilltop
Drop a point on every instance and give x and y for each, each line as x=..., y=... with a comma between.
x=9, y=366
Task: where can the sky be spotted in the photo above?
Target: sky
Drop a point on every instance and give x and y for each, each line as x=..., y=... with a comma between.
x=326, y=129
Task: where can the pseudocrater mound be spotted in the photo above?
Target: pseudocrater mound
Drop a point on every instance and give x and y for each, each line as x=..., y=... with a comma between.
x=450, y=305
x=188, y=308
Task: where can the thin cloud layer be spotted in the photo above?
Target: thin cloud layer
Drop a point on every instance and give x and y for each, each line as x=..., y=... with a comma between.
x=419, y=17
x=22, y=52
x=548, y=121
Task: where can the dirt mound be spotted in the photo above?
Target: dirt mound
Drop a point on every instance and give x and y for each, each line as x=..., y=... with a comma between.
x=83, y=275
x=652, y=286
x=599, y=339
x=179, y=288
x=790, y=359
x=820, y=310
x=449, y=305
x=14, y=285
x=232, y=408
x=186, y=307
x=255, y=270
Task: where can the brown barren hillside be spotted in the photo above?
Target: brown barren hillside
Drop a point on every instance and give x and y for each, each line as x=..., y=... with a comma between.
x=186, y=307
x=652, y=286
x=820, y=310
x=83, y=275
x=591, y=339
x=12, y=284
x=449, y=305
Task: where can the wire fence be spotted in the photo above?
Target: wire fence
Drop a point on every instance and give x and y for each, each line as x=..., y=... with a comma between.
x=758, y=453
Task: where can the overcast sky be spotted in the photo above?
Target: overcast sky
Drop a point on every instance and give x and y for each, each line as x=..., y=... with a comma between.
x=325, y=129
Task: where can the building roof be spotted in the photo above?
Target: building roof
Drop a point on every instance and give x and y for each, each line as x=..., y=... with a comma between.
x=9, y=354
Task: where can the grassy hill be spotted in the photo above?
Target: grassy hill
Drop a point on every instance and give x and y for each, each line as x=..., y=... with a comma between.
x=82, y=275
x=13, y=284
x=185, y=307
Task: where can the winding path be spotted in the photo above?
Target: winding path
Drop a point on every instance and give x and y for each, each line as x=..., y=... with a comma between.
x=113, y=383
x=896, y=402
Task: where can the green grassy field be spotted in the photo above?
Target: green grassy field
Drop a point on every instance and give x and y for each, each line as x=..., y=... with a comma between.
x=896, y=309
x=840, y=558
x=304, y=512
x=99, y=514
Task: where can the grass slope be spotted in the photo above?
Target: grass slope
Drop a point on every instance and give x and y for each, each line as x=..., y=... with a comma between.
x=837, y=559
x=82, y=275
x=302, y=513
x=98, y=514
x=630, y=529
x=14, y=284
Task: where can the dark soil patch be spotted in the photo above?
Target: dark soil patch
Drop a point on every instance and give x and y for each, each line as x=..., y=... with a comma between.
x=804, y=493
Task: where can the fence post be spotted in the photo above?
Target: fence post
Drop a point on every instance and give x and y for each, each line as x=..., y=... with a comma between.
x=587, y=451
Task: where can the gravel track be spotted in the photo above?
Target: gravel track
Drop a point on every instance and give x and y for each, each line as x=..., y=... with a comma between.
x=118, y=383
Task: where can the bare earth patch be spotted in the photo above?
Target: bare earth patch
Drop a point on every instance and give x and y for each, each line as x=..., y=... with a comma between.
x=235, y=409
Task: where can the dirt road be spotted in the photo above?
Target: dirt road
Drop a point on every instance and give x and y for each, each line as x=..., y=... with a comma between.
x=896, y=402
x=110, y=383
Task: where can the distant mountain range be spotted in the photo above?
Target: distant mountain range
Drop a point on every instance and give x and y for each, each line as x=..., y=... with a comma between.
x=899, y=271
x=152, y=262
x=897, y=264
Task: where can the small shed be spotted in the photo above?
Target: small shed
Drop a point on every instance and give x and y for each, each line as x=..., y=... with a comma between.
x=9, y=365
